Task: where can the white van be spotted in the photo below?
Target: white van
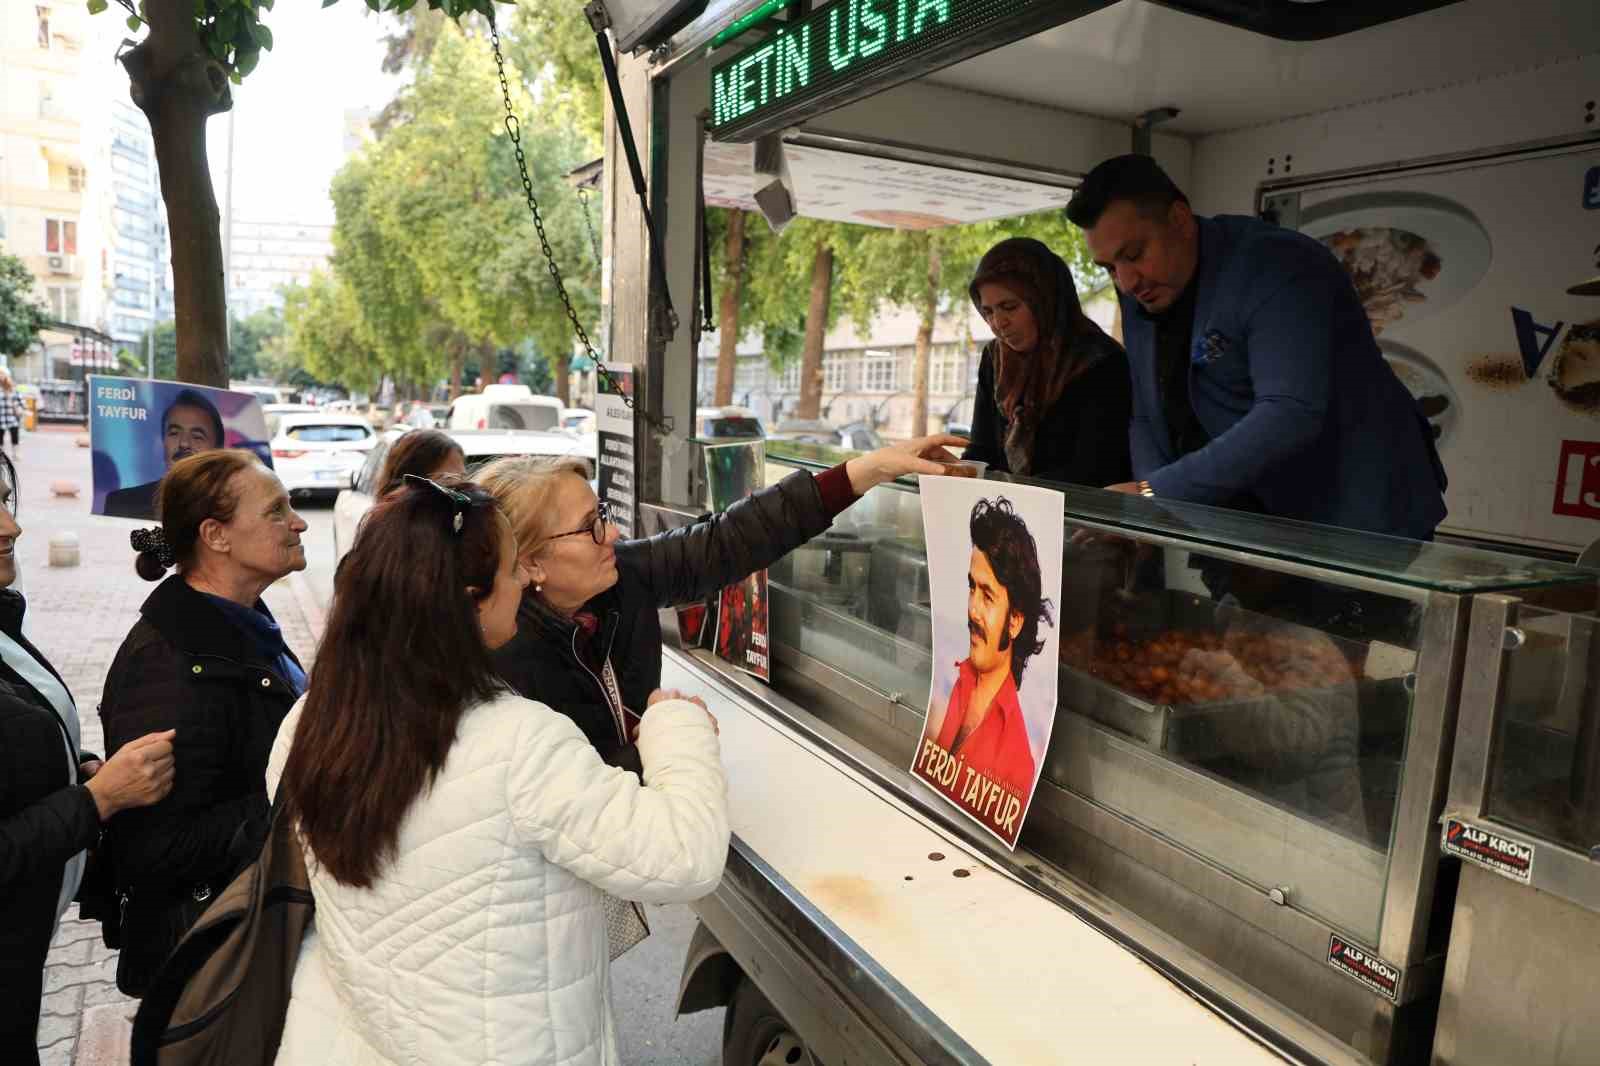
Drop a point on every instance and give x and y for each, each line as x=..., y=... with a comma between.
x=505, y=407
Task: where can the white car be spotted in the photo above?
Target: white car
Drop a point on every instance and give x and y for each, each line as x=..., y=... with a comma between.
x=480, y=445
x=315, y=454
x=505, y=407
x=578, y=420
x=274, y=412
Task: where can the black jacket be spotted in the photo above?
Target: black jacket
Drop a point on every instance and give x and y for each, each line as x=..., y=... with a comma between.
x=44, y=821
x=681, y=566
x=185, y=665
x=1082, y=440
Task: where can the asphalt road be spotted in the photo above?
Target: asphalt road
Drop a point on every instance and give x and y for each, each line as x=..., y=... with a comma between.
x=644, y=982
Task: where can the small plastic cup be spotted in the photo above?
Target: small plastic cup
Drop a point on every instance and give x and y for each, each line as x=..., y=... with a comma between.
x=966, y=468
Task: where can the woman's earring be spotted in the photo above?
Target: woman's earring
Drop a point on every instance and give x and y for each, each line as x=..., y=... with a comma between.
x=538, y=588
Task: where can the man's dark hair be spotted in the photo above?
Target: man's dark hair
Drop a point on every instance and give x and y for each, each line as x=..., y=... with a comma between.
x=1003, y=538
x=191, y=398
x=1137, y=179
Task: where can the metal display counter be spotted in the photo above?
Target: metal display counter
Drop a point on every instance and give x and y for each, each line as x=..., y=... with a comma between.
x=1252, y=740
x=1523, y=816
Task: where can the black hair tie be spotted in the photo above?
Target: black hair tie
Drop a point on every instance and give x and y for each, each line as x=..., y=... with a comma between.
x=153, y=542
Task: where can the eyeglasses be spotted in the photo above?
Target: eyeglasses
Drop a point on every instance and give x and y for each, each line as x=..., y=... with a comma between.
x=596, y=528
x=460, y=502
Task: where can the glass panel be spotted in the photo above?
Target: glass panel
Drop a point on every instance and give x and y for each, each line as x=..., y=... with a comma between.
x=1445, y=567
x=328, y=434
x=524, y=416
x=1254, y=717
x=1545, y=777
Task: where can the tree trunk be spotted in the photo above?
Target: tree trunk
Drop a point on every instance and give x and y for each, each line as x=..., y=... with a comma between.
x=919, y=365
x=816, y=332
x=728, y=313
x=179, y=87
x=457, y=360
x=561, y=371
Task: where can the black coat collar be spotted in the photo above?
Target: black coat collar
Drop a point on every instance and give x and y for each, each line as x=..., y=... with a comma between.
x=192, y=624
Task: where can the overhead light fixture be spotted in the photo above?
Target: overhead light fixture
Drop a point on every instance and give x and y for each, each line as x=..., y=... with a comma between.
x=774, y=190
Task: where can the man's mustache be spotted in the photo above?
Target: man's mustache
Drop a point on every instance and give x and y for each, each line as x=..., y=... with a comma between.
x=976, y=629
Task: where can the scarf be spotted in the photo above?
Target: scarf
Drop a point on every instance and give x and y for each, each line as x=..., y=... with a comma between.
x=1027, y=385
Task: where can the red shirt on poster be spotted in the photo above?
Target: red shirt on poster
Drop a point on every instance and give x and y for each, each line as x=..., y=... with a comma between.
x=999, y=747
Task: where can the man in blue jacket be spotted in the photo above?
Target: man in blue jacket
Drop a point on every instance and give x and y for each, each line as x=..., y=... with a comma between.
x=1257, y=383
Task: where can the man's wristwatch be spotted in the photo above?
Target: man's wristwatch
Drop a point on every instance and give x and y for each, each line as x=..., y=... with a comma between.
x=1145, y=489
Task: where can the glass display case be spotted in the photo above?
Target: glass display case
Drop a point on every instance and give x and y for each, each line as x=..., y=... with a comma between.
x=1254, y=723
x=1523, y=817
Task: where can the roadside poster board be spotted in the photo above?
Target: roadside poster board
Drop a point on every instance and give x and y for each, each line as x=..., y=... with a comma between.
x=613, y=420
x=734, y=471
x=994, y=576
x=138, y=428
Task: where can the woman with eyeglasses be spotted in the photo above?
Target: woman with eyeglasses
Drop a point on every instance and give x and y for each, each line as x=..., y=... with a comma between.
x=54, y=797
x=588, y=638
x=460, y=838
x=205, y=658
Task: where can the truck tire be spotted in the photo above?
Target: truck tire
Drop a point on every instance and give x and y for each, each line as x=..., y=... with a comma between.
x=755, y=1034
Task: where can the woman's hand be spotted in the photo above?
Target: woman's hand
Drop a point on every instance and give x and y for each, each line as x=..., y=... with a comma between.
x=139, y=774
x=924, y=455
x=661, y=694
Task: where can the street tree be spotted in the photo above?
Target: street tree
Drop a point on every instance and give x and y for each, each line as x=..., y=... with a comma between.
x=180, y=75
x=322, y=322
x=21, y=317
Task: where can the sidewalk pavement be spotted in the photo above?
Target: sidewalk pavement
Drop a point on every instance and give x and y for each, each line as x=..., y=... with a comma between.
x=78, y=616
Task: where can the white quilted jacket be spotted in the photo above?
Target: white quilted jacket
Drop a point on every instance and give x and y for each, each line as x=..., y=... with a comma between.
x=484, y=941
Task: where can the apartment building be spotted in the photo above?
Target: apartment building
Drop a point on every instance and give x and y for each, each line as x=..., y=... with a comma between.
x=140, y=278
x=268, y=255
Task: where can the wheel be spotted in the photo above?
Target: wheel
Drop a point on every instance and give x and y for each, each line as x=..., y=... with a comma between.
x=755, y=1034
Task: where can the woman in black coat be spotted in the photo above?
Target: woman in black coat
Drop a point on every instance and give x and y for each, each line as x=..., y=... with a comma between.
x=588, y=637
x=1054, y=393
x=206, y=658
x=53, y=798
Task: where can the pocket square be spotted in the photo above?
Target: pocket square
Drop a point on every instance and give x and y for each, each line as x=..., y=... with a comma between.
x=1209, y=348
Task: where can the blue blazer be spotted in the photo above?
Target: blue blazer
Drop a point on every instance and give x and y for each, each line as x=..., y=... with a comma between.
x=1284, y=374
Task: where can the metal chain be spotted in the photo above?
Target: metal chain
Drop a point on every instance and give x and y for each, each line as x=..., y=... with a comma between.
x=514, y=129
x=588, y=224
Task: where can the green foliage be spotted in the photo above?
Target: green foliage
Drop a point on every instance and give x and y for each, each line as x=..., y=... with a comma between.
x=322, y=327
x=21, y=318
x=435, y=252
x=247, y=341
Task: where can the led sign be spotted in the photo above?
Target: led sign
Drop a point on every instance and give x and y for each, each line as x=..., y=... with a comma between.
x=847, y=49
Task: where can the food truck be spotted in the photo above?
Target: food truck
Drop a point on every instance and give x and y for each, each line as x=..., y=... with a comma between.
x=1378, y=838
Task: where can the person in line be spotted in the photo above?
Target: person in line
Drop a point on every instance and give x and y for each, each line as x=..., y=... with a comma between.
x=54, y=797
x=11, y=411
x=460, y=838
x=1257, y=383
x=1006, y=605
x=429, y=453
x=588, y=636
x=191, y=424
x=1054, y=396
x=208, y=659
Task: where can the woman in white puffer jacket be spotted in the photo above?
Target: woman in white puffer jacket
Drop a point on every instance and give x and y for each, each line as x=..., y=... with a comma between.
x=459, y=837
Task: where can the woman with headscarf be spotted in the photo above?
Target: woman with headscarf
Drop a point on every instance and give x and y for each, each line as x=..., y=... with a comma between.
x=1054, y=395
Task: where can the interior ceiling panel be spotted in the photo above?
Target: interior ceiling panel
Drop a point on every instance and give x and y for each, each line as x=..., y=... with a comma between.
x=1136, y=56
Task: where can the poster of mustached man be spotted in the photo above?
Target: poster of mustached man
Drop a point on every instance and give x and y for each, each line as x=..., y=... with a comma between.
x=994, y=574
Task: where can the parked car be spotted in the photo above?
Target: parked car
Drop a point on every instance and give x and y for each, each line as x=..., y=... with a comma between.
x=857, y=436
x=727, y=423
x=577, y=420
x=505, y=407
x=480, y=446
x=274, y=412
x=315, y=453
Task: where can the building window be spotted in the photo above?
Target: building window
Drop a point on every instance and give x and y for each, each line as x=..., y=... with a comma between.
x=60, y=236
x=835, y=373
x=880, y=371
x=63, y=302
x=944, y=370
x=790, y=381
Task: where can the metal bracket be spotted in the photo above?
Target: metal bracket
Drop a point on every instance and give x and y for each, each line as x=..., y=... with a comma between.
x=599, y=18
x=1282, y=210
x=1147, y=122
